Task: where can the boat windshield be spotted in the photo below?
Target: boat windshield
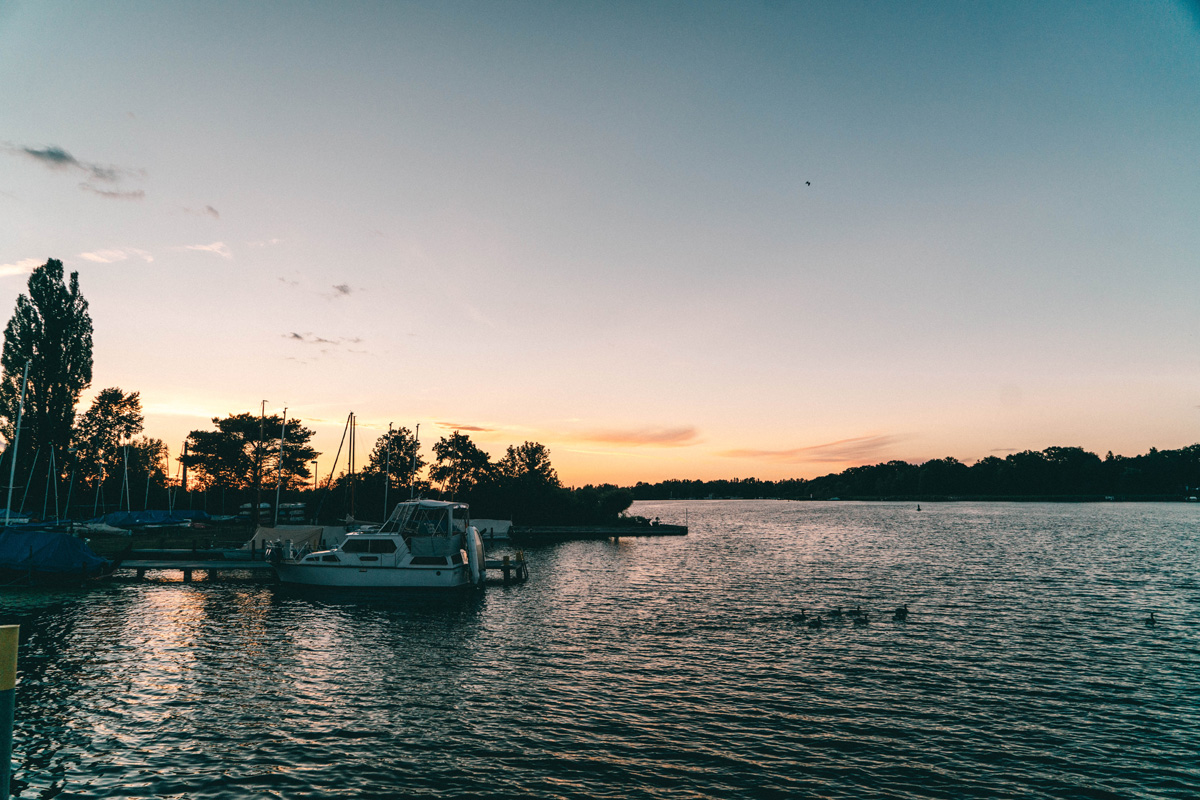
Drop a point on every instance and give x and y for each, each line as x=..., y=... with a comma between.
x=413, y=519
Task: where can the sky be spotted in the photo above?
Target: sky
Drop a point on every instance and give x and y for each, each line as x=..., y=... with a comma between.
x=664, y=239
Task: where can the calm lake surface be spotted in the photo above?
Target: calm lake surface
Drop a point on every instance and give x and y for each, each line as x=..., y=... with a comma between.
x=667, y=668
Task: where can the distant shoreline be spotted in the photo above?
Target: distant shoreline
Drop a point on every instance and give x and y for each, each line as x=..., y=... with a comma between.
x=922, y=498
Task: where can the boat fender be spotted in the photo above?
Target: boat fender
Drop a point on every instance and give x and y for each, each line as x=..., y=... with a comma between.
x=474, y=556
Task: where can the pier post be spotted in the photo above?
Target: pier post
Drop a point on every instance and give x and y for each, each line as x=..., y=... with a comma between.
x=141, y=573
x=187, y=576
x=8, y=697
x=506, y=569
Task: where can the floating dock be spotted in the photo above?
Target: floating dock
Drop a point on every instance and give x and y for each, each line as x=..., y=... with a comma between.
x=546, y=534
x=511, y=569
x=211, y=566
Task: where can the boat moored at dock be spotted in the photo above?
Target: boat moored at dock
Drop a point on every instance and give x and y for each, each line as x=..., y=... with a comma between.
x=425, y=544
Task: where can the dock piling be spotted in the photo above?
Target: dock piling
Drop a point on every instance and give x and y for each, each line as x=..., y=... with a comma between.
x=8, y=695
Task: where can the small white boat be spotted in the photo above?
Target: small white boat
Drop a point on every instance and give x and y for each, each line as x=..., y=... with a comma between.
x=425, y=544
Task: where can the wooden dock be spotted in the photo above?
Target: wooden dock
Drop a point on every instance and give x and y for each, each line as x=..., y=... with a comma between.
x=547, y=534
x=511, y=569
x=211, y=566
x=515, y=569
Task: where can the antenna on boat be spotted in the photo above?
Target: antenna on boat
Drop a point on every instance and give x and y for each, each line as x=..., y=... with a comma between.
x=279, y=471
x=12, y=470
x=387, y=472
x=412, y=464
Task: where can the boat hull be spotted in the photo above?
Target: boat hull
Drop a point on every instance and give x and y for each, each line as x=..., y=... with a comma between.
x=351, y=576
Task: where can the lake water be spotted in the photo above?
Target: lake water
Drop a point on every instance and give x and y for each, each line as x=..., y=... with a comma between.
x=664, y=668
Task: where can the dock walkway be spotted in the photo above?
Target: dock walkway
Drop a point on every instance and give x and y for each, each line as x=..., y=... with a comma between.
x=511, y=569
x=546, y=534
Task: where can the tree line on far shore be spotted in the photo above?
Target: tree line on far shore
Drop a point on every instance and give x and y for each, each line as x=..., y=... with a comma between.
x=1053, y=473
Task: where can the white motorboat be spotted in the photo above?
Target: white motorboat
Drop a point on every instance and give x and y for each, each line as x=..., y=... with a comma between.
x=425, y=544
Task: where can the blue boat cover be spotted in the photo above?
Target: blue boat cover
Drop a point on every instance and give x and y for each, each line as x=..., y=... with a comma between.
x=47, y=551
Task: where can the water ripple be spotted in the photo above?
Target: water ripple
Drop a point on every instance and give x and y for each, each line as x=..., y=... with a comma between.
x=655, y=668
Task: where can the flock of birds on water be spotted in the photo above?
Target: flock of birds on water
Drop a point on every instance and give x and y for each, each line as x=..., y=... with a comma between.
x=858, y=617
x=861, y=618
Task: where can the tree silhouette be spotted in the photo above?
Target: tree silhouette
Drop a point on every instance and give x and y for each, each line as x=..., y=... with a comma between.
x=50, y=329
x=461, y=466
x=404, y=460
x=113, y=418
x=243, y=452
x=528, y=465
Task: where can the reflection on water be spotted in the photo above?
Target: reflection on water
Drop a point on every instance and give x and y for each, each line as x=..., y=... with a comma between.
x=668, y=667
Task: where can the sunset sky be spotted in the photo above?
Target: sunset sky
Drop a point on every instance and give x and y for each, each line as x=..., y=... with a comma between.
x=693, y=240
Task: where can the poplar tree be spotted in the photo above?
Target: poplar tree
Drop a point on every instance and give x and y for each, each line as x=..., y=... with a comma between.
x=51, y=329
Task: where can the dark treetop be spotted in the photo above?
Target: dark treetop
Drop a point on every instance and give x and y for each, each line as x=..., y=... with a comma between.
x=51, y=329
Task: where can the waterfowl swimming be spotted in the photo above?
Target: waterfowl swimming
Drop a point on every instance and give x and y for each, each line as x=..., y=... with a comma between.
x=815, y=622
x=1151, y=621
x=901, y=614
x=860, y=621
x=857, y=612
x=801, y=617
x=836, y=613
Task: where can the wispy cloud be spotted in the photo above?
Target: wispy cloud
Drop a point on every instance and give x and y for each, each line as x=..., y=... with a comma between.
x=113, y=256
x=1003, y=450
x=58, y=159
x=22, y=267
x=310, y=338
x=207, y=211
x=681, y=436
x=859, y=448
x=263, y=242
x=455, y=426
x=219, y=248
x=114, y=194
x=343, y=289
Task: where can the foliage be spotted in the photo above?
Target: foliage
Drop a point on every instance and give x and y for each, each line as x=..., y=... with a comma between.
x=243, y=453
x=461, y=467
x=52, y=330
x=114, y=417
x=528, y=465
x=397, y=453
x=1056, y=472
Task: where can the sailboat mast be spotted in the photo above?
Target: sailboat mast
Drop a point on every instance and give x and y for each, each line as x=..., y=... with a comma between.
x=353, y=453
x=12, y=470
x=279, y=479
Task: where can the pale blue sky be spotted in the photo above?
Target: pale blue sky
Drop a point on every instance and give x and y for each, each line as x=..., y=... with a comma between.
x=588, y=224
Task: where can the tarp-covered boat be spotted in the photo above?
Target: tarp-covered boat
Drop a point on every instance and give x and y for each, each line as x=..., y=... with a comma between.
x=47, y=558
x=152, y=519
